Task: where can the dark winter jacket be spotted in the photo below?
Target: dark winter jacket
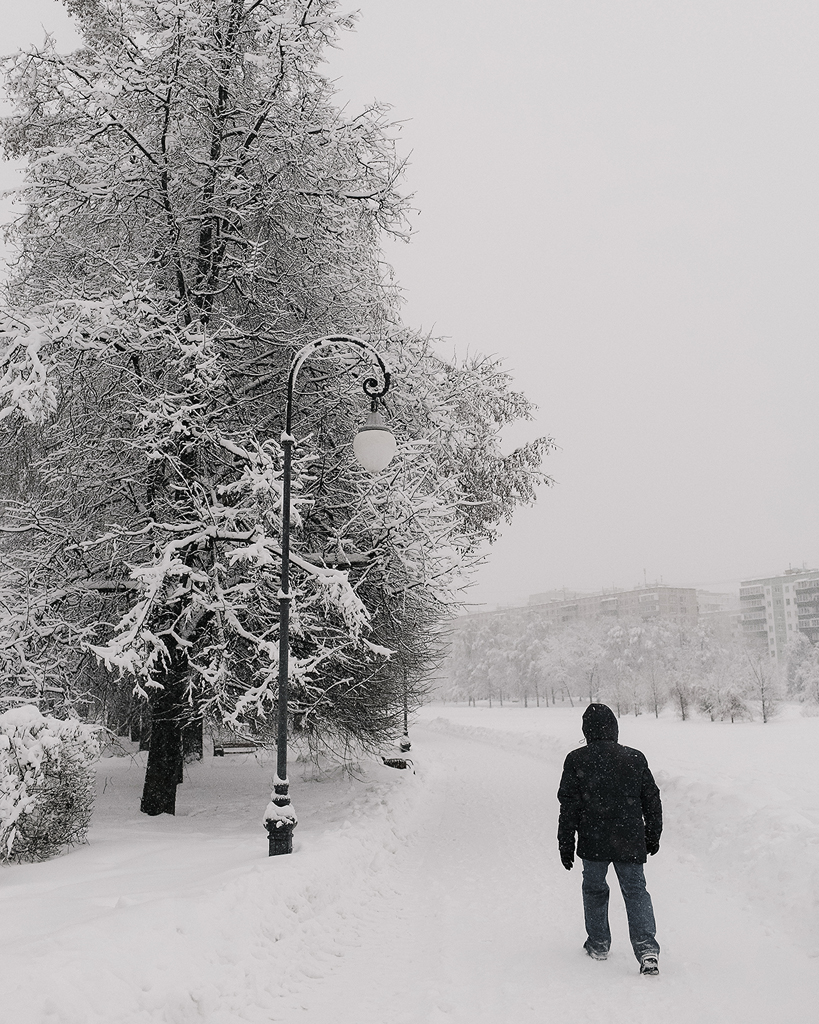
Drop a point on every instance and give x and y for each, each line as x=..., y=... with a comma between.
x=608, y=797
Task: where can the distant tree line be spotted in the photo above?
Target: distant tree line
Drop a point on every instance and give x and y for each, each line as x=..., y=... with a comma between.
x=636, y=667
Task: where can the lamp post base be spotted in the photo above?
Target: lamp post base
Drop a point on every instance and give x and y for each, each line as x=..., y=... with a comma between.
x=280, y=837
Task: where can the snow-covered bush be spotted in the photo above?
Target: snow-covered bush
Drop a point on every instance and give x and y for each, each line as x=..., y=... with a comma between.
x=46, y=783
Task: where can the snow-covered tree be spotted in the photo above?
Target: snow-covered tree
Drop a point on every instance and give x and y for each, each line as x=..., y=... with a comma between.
x=763, y=683
x=721, y=684
x=802, y=670
x=529, y=647
x=196, y=208
x=571, y=661
x=691, y=661
x=623, y=652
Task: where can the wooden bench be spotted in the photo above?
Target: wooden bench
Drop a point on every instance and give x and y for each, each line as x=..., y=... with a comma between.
x=222, y=747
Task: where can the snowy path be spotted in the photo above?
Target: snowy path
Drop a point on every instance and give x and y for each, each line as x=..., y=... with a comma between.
x=476, y=921
x=428, y=899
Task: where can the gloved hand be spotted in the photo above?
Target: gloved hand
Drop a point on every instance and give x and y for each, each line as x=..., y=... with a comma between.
x=567, y=859
x=652, y=846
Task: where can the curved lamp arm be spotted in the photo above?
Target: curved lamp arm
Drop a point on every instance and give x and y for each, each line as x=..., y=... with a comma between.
x=373, y=389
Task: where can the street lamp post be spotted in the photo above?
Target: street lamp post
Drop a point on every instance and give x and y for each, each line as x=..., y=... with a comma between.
x=374, y=447
x=404, y=744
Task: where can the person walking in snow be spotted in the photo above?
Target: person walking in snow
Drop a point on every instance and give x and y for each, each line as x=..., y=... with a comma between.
x=610, y=801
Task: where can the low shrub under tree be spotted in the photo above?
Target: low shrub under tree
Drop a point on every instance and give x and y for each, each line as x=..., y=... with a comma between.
x=46, y=783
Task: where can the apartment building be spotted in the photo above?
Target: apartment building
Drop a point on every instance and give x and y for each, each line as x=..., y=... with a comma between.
x=776, y=608
x=679, y=604
x=721, y=611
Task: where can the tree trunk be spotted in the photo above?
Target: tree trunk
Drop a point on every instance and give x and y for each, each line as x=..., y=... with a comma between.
x=164, y=771
x=135, y=731
x=145, y=732
x=141, y=725
x=119, y=711
x=193, y=741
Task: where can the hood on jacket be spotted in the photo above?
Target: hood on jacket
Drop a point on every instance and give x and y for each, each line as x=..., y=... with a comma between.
x=599, y=723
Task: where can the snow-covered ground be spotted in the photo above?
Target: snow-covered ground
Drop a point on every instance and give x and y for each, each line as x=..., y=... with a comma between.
x=433, y=898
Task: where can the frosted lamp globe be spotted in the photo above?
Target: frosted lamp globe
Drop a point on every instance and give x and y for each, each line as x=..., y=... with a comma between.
x=374, y=444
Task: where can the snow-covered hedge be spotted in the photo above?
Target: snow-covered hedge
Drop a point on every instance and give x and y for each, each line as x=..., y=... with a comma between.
x=46, y=783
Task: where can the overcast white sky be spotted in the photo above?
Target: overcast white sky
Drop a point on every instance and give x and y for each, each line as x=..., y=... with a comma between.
x=620, y=198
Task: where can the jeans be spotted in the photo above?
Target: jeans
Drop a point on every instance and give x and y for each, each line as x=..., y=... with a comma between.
x=640, y=913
